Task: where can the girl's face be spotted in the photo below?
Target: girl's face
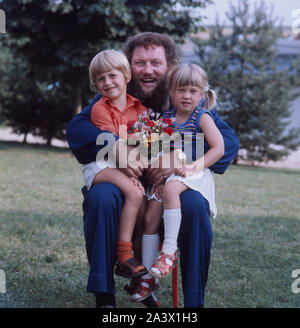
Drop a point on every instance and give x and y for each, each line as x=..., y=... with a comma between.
x=112, y=84
x=187, y=98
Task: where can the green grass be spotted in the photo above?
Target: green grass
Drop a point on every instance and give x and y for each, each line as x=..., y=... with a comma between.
x=42, y=250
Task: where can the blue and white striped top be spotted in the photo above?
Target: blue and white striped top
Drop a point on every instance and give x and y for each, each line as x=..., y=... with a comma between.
x=193, y=146
x=192, y=125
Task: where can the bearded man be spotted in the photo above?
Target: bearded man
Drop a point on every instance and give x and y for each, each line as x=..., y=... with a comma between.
x=152, y=57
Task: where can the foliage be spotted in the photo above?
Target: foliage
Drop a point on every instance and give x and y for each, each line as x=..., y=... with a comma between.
x=27, y=105
x=59, y=38
x=254, y=93
x=5, y=61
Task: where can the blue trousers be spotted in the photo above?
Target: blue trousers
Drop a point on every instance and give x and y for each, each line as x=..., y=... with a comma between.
x=101, y=211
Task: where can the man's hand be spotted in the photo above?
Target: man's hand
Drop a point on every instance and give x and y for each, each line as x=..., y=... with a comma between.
x=132, y=172
x=156, y=177
x=161, y=169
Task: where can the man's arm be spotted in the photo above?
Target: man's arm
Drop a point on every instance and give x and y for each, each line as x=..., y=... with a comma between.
x=231, y=144
x=81, y=135
x=231, y=148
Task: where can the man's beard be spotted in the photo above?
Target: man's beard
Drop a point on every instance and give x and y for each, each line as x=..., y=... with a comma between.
x=157, y=99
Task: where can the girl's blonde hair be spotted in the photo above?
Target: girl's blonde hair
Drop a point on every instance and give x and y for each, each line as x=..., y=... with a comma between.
x=192, y=74
x=106, y=61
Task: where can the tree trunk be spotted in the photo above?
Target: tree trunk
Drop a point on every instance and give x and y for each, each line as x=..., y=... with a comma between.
x=49, y=138
x=25, y=138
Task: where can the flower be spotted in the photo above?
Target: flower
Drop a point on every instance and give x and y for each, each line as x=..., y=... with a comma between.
x=130, y=124
x=168, y=130
x=147, y=130
x=167, y=121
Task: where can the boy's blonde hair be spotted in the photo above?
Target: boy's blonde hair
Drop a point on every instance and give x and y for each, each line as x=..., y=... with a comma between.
x=105, y=61
x=192, y=74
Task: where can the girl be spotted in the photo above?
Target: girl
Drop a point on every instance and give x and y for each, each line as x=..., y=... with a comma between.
x=188, y=88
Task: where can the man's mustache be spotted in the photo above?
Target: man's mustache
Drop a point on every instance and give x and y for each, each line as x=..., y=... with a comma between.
x=155, y=99
x=149, y=76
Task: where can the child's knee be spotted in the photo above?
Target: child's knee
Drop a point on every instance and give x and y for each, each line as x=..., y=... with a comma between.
x=134, y=194
x=170, y=190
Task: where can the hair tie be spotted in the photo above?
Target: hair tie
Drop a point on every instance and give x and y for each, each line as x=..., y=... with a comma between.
x=206, y=88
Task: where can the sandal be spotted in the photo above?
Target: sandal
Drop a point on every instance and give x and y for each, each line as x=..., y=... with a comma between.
x=130, y=269
x=163, y=265
x=144, y=289
x=150, y=302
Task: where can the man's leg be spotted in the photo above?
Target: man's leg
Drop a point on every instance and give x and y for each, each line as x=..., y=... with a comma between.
x=195, y=239
x=101, y=211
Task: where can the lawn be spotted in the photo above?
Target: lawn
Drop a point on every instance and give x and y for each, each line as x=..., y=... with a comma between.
x=42, y=250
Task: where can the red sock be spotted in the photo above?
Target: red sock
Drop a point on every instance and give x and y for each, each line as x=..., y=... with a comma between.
x=124, y=250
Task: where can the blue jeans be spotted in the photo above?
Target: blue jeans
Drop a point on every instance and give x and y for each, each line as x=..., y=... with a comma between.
x=101, y=211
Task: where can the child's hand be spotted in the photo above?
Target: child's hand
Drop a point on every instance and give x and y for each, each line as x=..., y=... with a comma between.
x=144, y=161
x=186, y=171
x=138, y=184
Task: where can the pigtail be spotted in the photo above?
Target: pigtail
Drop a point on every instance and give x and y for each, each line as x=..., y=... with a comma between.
x=210, y=98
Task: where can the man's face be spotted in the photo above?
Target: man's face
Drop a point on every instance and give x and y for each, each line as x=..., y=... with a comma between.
x=149, y=66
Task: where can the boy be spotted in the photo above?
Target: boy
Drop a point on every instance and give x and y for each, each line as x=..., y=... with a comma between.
x=109, y=74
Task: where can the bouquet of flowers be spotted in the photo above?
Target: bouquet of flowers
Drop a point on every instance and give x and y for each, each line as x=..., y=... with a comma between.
x=152, y=132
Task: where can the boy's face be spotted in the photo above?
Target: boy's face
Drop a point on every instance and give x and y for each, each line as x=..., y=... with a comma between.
x=112, y=84
x=187, y=98
x=149, y=66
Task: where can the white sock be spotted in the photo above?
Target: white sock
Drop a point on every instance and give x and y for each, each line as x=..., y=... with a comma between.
x=172, y=221
x=150, y=248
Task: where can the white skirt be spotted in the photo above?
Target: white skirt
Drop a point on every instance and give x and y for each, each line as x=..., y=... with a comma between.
x=203, y=182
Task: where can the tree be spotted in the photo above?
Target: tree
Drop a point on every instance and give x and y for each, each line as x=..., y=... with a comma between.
x=59, y=38
x=254, y=92
x=27, y=105
x=4, y=76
